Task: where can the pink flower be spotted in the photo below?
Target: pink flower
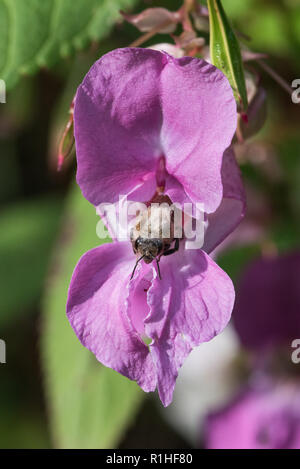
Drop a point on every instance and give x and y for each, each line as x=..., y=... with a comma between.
x=111, y=314
x=266, y=413
x=135, y=109
x=261, y=417
x=266, y=313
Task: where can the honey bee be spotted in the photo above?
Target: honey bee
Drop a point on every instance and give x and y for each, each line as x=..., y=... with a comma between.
x=153, y=236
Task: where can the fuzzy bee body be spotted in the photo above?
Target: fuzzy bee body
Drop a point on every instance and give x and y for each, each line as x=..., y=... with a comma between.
x=153, y=235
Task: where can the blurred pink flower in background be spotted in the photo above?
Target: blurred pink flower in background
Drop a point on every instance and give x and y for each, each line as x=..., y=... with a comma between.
x=266, y=313
x=263, y=416
x=266, y=413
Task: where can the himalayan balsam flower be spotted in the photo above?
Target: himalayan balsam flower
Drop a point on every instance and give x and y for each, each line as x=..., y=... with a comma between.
x=134, y=109
x=266, y=313
x=262, y=417
x=266, y=414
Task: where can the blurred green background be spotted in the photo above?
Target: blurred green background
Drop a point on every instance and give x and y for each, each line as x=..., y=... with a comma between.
x=53, y=392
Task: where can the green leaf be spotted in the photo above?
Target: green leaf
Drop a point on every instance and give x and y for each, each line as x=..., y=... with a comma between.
x=28, y=430
x=90, y=406
x=27, y=232
x=35, y=33
x=225, y=51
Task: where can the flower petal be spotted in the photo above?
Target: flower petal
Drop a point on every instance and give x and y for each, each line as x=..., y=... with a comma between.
x=152, y=18
x=96, y=310
x=232, y=208
x=117, y=123
x=168, y=358
x=189, y=305
x=199, y=120
x=176, y=191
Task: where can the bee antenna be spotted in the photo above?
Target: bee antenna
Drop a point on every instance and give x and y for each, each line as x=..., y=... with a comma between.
x=136, y=266
x=157, y=263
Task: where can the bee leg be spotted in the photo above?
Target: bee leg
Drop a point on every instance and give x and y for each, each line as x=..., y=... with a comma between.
x=174, y=249
x=136, y=267
x=158, y=269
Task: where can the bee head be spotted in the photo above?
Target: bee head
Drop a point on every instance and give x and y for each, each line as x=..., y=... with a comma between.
x=148, y=248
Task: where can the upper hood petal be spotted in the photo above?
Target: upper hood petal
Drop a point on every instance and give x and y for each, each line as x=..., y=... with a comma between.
x=135, y=105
